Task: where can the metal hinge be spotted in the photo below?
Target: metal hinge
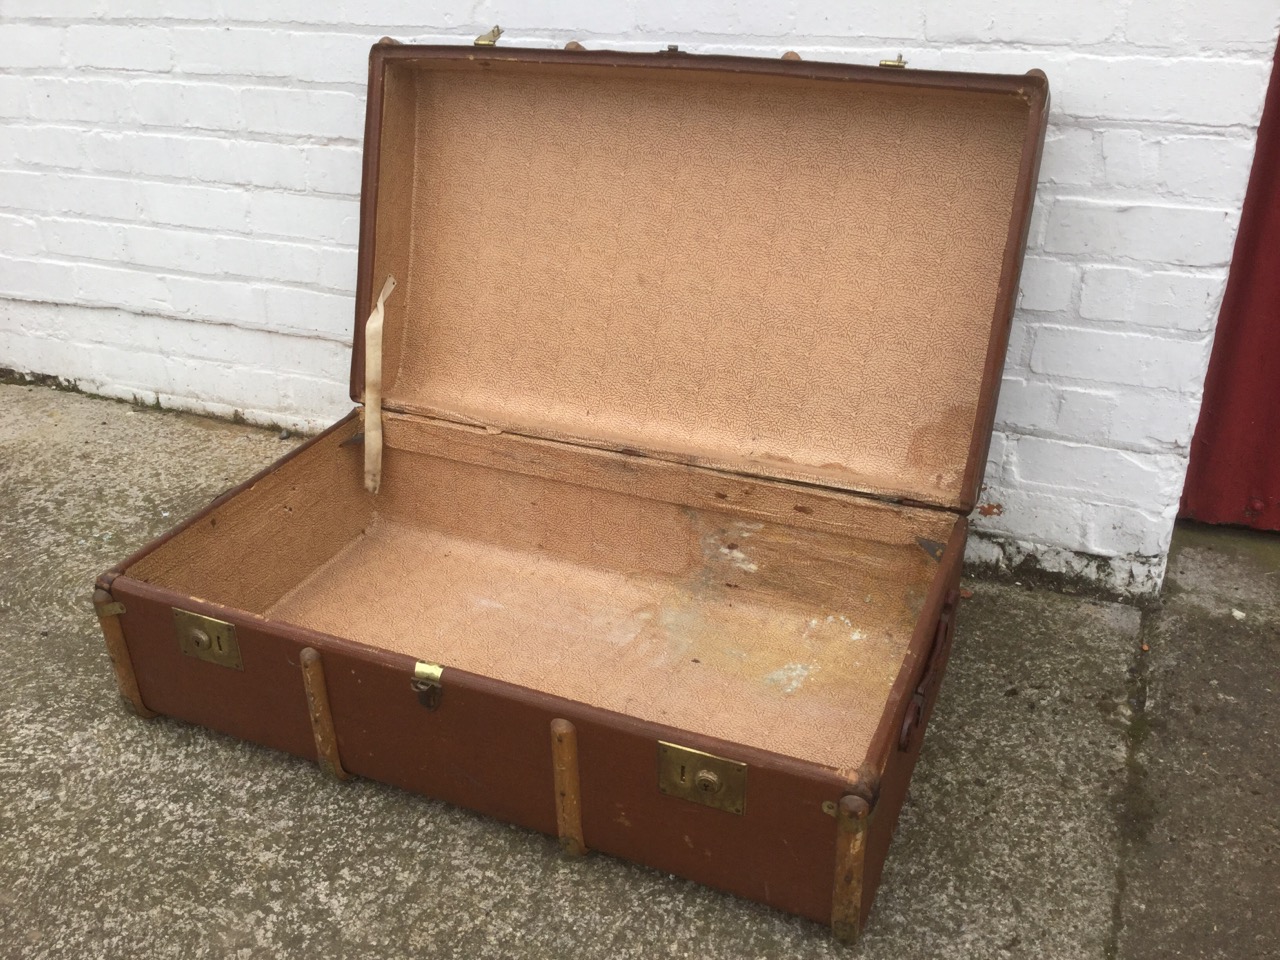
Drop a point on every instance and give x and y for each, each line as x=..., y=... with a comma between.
x=427, y=684
x=899, y=63
x=489, y=39
x=114, y=609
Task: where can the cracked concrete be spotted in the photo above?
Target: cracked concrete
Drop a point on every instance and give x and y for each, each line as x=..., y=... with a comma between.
x=1077, y=797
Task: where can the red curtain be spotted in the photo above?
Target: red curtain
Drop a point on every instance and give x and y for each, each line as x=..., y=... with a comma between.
x=1234, y=475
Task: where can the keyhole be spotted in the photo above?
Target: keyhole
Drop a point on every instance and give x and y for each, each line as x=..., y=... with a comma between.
x=707, y=781
x=201, y=640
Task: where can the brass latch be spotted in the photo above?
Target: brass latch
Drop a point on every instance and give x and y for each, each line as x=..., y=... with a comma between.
x=489, y=39
x=426, y=683
x=207, y=639
x=702, y=777
x=899, y=62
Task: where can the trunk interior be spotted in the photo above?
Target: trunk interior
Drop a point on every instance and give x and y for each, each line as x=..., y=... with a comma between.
x=759, y=612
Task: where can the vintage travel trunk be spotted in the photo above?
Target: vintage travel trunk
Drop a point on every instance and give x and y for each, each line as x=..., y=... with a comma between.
x=676, y=409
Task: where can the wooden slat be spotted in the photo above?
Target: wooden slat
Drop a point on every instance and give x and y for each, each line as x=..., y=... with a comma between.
x=564, y=759
x=118, y=651
x=321, y=716
x=851, y=849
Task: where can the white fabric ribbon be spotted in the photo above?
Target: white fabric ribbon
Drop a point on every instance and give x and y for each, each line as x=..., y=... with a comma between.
x=373, y=391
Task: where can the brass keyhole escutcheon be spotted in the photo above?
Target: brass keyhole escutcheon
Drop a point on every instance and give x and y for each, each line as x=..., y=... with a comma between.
x=207, y=638
x=708, y=781
x=702, y=777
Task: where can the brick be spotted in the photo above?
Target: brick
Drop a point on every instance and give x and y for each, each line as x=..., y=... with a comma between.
x=50, y=146
x=324, y=314
x=1046, y=284
x=24, y=46
x=1216, y=92
x=244, y=51
x=20, y=236
x=268, y=259
x=995, y=458
x=234, y=385
x=120, y=47
x=1029, y=514
x=541, y=15
x=903, y=20
x=235, y=302
x=88, y=101
x=1106, y=293
x=23, y=190
x=1176, y=301
x=308, y=113
x=334, y=169
x=1215, y=168
x=211, y=208
x=111, y=198
x=164, y=248
x=34, y=279
x=1072, y=157
x=110, y=152
x=1027, y=404
x=172, y=10
x=344, y=57
x=272, y=165
x=13, y=96
x=1164, y=22
x=1087, y=415
x=730, y=16
x=1136, y=478
x=1112, y=530
x=338, y=269
x=87, y=239
x=1086, y=21
x=1126, y=358
x=59, y=9
x=1153, y=420
x=328, y=219
x=306, y=395
x=138, y=289
x=1192, y=236
x=1127, y=159
x=202, y=106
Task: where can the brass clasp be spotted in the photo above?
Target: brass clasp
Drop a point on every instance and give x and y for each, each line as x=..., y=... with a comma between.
x=427, y=684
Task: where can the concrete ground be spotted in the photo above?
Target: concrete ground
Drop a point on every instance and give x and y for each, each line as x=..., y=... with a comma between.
x=1099, y=780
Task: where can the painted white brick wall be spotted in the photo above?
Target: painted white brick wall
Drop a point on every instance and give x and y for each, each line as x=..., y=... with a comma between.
x=178, y=205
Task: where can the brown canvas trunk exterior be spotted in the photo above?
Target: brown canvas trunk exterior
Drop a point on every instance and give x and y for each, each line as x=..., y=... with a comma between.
x=487, y=744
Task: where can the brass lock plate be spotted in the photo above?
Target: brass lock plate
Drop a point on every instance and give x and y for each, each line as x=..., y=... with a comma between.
x=207, y=639
x=702, y=777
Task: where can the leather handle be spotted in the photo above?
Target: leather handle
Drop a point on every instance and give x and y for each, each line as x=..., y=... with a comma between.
x=927, y=689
